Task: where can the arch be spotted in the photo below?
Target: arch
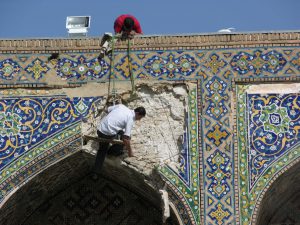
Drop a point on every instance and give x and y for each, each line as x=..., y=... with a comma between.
x=175, y=215
x=67, y=176
x=279, y=197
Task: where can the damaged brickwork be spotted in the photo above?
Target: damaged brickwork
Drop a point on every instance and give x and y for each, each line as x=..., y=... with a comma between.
x=158, y=138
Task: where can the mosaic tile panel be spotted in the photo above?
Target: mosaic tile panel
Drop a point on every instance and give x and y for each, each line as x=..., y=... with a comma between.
x=184, y=169
x=214, y=63
x=35, y=127
x=181, y=206
x=96, y=201
x=214, y=70
x=26, y=166
x=155, y=65
x=219, y=174
x=79, y=68
x=123, y=67
x=258, y=162
x=296, y=61
x=9, y=69
x=216, y=97
x=220, y=214
x=190, y=193
x=216, y=148
x=258, y=62
x=274, y=124
x=171, y=65
x=27, y=121
x=37, y=69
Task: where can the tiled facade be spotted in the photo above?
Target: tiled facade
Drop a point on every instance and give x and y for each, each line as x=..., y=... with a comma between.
x=238, y=142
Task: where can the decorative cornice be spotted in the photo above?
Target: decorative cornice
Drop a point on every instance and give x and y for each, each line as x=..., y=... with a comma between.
x=154, y=42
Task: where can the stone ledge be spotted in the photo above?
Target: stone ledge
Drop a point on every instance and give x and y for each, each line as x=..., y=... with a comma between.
x=193, y=41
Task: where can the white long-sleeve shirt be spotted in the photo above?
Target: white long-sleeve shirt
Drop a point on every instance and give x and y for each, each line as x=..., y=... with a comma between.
x=119, y=117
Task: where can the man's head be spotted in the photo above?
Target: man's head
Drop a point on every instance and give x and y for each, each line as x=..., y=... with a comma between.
x=140, y=112
x=128, y=25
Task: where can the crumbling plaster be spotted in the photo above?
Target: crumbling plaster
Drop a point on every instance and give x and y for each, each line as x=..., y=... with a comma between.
x=157, y=138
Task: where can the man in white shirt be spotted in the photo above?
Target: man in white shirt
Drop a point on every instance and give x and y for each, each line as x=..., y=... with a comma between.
x=119, y=119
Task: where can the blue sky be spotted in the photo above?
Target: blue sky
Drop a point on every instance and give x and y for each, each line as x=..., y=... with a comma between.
x=46, y=18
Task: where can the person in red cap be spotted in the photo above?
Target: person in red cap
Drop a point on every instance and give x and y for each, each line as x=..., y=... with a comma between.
x=126, y=26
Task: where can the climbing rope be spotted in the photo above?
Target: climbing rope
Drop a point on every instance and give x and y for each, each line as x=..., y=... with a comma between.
x=112, y=92
x=133, y=93
x=111, y=79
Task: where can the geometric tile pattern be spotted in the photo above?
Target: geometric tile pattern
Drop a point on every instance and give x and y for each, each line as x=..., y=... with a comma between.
x=31, y=127
x=214, y=63
x=274, y=124
x=78, y=68
x=25, y=122
x=217, y=187
x=219, y=214
x=155, y=65
x=210, y=129
x=184, y=169
x=97, y=201
x=296, y=61
x=216, y=137
x=259, y=163
x=8, y=69
x=216, y=97
x=35, y=160
x=191, y=194
x=271, y=61
x=180, y=206
x=37, y=69
x=219, y=174
x=123, y=67
x=170, y=66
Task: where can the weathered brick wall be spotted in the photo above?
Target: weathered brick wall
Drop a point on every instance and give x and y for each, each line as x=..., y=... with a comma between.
x=201, y=41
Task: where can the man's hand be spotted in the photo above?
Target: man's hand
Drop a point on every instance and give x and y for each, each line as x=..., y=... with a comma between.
x=126, y=35
x=130, y=154
x=126, y=141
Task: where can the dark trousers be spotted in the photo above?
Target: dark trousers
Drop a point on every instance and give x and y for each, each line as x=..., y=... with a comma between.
x=104, y=149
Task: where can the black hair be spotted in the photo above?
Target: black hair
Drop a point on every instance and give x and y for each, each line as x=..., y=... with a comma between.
x=140, y=110
x=128, y=24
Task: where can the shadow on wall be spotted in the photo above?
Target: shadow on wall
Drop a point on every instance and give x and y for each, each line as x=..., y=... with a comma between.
x=67, y=193
x=281, y=203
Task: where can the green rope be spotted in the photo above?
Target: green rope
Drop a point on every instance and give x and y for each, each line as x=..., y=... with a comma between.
x=112, y=71
x=111, y=75
x=130, y=69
